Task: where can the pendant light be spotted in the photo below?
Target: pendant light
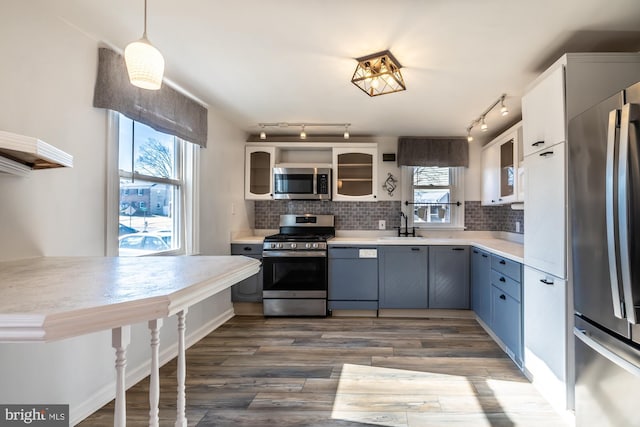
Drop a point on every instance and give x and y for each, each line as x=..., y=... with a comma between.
x=145, y=63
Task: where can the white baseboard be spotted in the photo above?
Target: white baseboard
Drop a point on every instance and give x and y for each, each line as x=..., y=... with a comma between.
x=107, y=393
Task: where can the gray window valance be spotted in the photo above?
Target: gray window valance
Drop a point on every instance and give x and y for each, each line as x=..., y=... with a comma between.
x=165, y=110
x=434, y=151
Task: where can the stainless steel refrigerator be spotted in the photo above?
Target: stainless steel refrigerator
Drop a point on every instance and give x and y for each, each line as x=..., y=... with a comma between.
x=604, y=216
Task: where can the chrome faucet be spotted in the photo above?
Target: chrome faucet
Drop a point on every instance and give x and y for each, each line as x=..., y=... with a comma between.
x=406, y=226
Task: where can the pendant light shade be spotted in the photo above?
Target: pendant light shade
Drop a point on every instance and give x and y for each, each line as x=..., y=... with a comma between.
x=145, y=64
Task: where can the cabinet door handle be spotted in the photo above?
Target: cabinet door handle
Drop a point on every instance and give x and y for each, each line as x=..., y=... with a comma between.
x=503, y=297
x=458, y=249
x=547, y=282
x=502, y=279
x=535, y=144
x=546, y=153
x=503, y=262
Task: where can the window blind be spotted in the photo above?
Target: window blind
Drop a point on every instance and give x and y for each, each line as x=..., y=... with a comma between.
x=165, y=110
x=433, y=151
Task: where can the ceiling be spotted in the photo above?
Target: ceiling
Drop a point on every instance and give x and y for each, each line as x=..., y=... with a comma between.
x=292, y=60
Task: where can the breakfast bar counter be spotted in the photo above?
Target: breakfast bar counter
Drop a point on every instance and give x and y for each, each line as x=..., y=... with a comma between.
x=52, y=298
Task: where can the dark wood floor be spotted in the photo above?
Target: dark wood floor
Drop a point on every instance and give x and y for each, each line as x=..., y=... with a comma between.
x=345, y=372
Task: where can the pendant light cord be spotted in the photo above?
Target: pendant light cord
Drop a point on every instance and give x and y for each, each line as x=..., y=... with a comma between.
x=144, y=35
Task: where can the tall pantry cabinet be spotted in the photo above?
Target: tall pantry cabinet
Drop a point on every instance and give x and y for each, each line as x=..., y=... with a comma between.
x=571, y=85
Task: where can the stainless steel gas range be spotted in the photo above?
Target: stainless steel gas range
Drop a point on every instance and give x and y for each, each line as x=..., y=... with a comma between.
x=295, y=266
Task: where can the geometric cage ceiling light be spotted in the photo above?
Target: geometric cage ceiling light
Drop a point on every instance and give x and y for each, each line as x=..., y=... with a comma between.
x=481, y=120
x=378, y=74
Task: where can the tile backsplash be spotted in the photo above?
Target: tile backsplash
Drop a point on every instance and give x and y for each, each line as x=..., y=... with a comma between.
x=492, y=218
x=365, y=215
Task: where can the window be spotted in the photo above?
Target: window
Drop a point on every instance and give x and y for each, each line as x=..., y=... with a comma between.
x=433, y=193
x=156, y=175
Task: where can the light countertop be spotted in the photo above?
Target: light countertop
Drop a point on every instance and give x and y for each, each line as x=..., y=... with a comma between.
x=50, y=298
x=505, y=248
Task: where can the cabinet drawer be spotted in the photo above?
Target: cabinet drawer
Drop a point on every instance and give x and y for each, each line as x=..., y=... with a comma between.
x=507, y=267
x=246, y=249
x=506, y=284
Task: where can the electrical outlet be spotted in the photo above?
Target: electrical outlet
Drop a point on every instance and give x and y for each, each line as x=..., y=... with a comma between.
x=517, y=226
x=382, y=224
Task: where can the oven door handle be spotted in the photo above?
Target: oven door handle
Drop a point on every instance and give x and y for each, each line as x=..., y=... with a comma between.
x=294, y=254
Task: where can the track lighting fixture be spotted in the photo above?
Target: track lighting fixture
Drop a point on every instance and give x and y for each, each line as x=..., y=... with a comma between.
x=303, y=127
x=481, y=120
x=503, y=108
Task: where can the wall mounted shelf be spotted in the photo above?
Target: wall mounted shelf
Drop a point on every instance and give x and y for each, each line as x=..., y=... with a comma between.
x=20, y=154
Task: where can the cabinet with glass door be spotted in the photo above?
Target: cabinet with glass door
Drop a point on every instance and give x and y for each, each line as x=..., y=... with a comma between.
x=355, y=173
x=258, y=180
x=501, y=169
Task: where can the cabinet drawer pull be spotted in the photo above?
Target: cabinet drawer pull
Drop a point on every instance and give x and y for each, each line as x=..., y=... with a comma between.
x=546, y=153
x=485, y=256
x=535, y=144
x=503, y=262
x=502, y=279
x=247, y=248
x=475, y=252
x=458, y=249
x=546, y=282
x=415, y=249
x=503, y=297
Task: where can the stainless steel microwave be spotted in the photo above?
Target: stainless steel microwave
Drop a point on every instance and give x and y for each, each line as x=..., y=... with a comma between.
x=302, y=182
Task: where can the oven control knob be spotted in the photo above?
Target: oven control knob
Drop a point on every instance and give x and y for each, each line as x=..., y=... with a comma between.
x=307, y=245
x=279, y=245
x=315, y=245
x=273, y=246
x=293, y=246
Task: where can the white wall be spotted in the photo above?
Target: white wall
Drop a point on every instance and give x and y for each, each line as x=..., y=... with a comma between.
x=46, y=81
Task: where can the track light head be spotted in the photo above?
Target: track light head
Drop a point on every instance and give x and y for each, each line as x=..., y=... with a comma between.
x=303, y=134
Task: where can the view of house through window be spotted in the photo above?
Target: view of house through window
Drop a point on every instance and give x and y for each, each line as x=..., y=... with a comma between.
x=432, y=192
x=150, y=185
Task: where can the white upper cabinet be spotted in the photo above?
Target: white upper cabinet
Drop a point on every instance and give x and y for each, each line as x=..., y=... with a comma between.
x=544, y=220
x=501, y=169
x=355, y=174
x=543, y=113
x=258, y=180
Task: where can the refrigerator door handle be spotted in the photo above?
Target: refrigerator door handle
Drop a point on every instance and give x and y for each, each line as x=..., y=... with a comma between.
x=581, y=334
x=630, y=113
x=612, y=220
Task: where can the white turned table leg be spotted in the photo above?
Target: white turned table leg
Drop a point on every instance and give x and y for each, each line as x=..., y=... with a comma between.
x=120, y=339
x=181, y=418
x=154, y=377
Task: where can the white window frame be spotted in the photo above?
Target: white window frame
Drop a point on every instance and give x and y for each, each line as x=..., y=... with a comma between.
x=456, y=185
x=189, y=201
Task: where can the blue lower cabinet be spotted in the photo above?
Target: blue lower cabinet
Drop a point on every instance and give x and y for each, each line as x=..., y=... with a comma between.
x=449, y=277
x=353, y=278
x=506, y=322
x=481, y=284
x=403, y=275
x=250, y=289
